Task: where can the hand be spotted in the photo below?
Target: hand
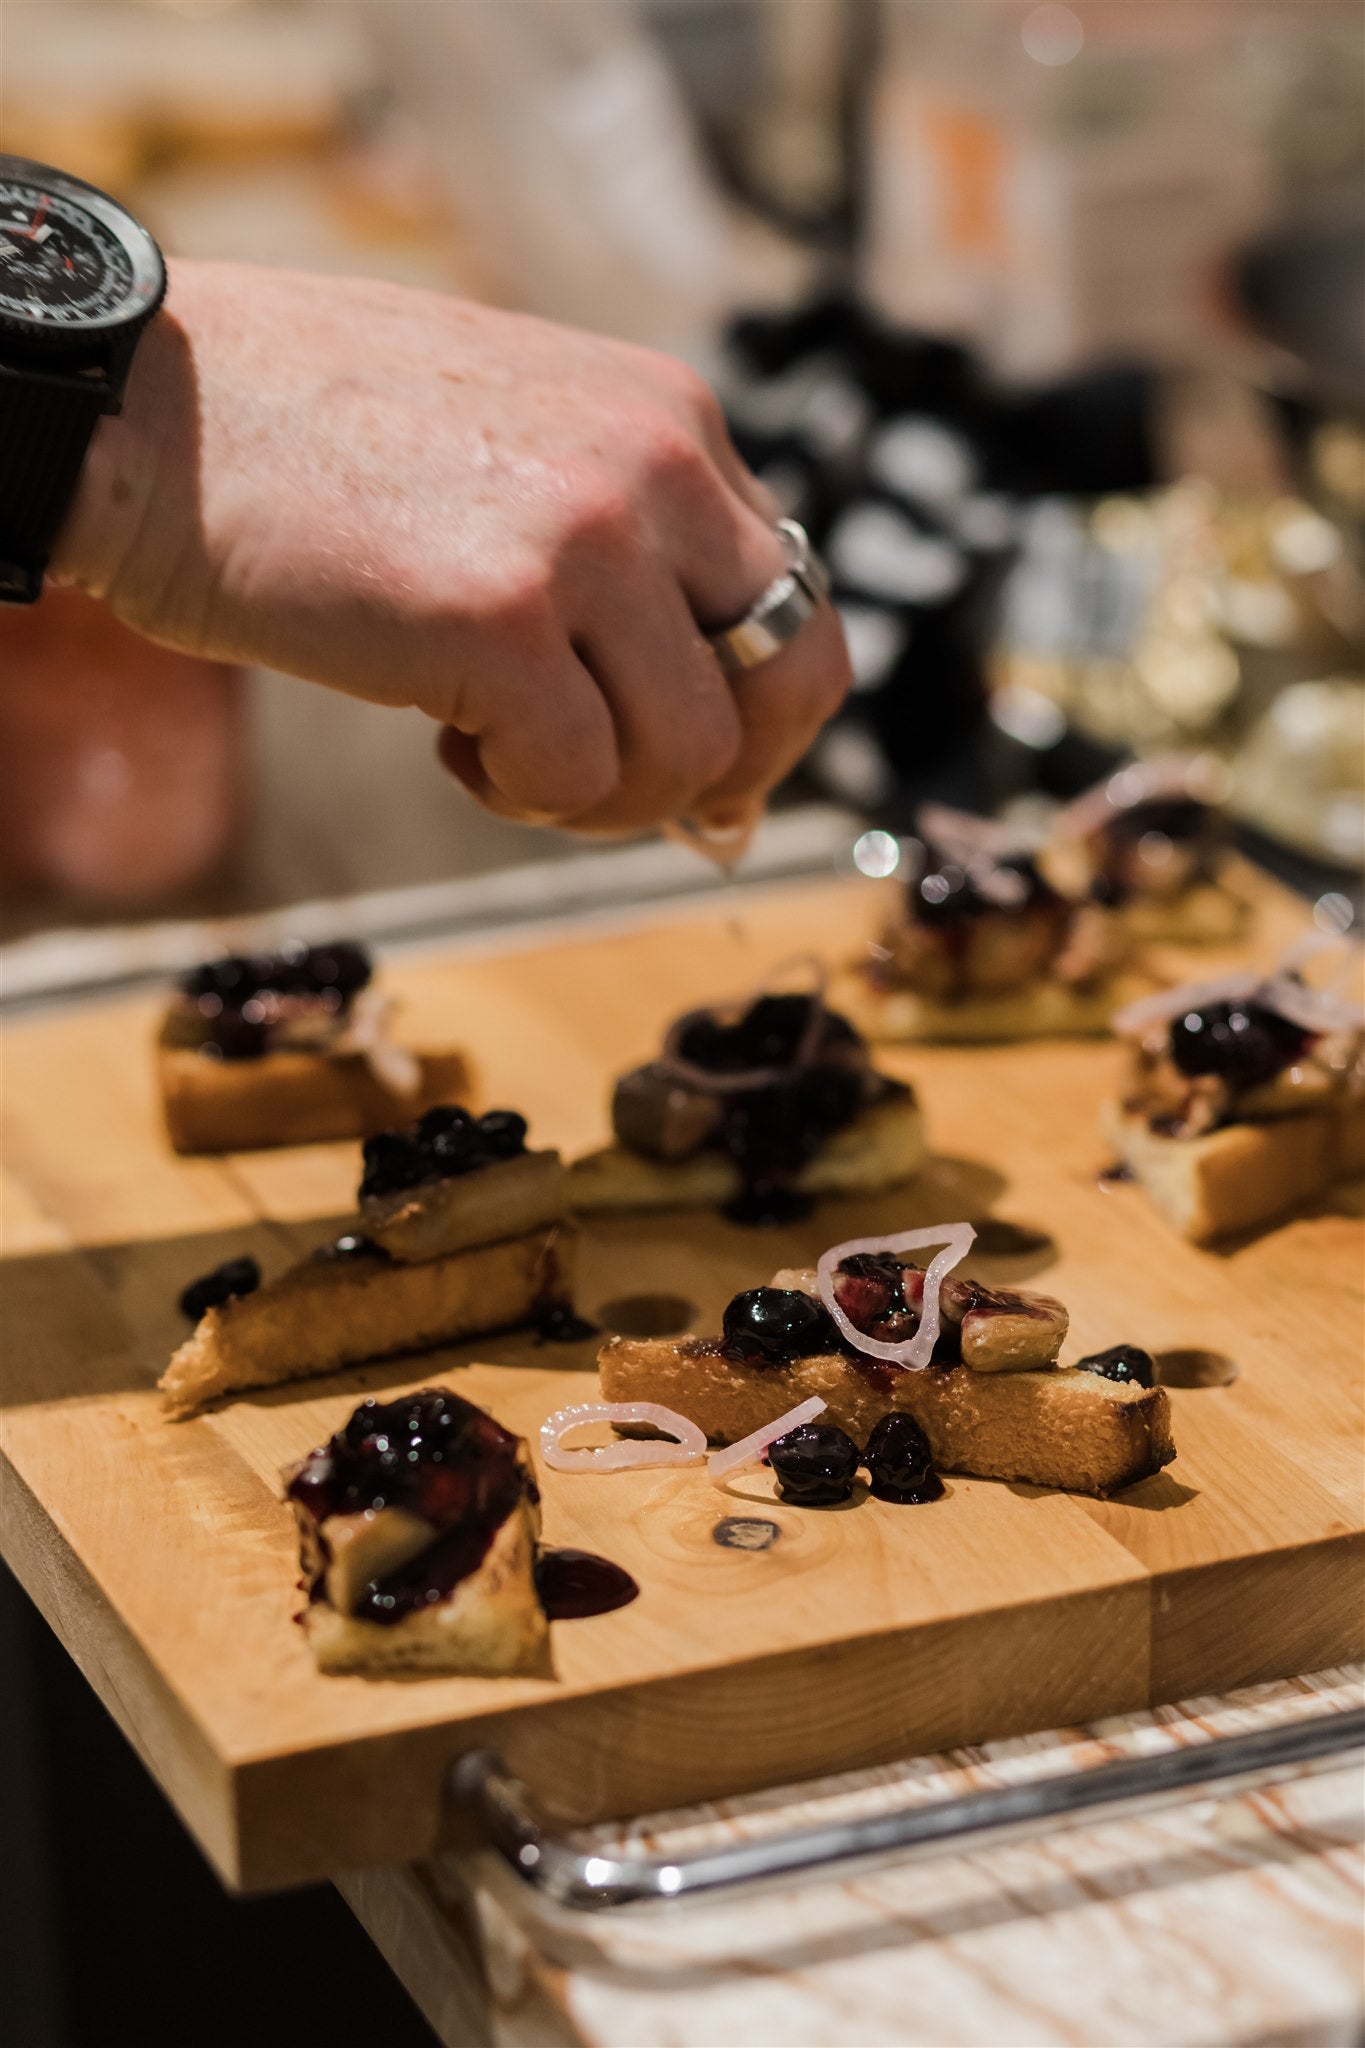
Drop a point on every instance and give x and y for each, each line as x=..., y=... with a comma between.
x=519, y=528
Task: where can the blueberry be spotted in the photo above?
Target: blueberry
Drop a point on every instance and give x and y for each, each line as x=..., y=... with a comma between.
x=233, y=1277
x=235, y=1037
x=451, y=1137
x=229, y=978
x=1123, y=1362
x=393, y=1162
x=1239, y=1041
x=900, y=1462
x=770, y=1325
x=503, y=1133
x=342, y=966
x=815, y=1465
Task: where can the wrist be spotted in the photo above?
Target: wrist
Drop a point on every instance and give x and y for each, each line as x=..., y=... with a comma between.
x=128, y=466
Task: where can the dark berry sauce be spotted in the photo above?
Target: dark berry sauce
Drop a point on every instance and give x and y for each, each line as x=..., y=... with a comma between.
x=437, y=1456
x=351, y=1246
x=228, y=1007
x=1126, y=1363
x=772, y=1132
x=947, y=895
x=1193, y=827
x=1241, y=1042
x=574, y=1584
x=233, y=1278
x=445, y=1142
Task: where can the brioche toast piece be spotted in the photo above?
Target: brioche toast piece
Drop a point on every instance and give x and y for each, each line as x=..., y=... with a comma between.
x=418, y=1523
x=291, y=1096
x=1039, y=1009
x=882, y=1145
x=1241, y=1175
x=490, y=1625
x=323, y=1314
x=1204, y=914
x=1061, y=1428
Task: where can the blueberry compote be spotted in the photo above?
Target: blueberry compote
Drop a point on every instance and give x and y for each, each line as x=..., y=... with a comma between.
x=1146, y=836
x=437, y=1456
x=233, y=1277
x=229, y=1007
x=443, y=1143
x=946, y=894
x=772, y=1131
x=1127, y=1363
x=1241, y=1042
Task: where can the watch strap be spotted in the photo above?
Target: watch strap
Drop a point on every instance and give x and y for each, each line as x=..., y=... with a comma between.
x=46, y=420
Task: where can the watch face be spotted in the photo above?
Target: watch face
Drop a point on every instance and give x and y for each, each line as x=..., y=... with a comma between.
x=71, y=260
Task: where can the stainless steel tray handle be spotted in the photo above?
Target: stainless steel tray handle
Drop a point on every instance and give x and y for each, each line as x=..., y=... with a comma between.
x=587, y=1882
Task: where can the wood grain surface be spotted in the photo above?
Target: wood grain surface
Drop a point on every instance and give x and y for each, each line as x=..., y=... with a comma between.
x=163, y=1556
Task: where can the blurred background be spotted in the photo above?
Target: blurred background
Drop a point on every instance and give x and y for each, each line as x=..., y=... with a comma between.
x=1048, y=320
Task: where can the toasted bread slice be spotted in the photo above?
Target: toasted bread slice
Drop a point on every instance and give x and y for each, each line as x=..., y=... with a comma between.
x=292, y=1097
x=1040, y=1009
x=1243, y=1175
x=882, y=1146
x=1061, y=1428
x=505, y=1199
x=1205, y=914
x=324, y=1314
x=489, y=1624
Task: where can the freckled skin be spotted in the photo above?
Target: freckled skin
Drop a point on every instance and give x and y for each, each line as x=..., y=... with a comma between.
x=511, y=525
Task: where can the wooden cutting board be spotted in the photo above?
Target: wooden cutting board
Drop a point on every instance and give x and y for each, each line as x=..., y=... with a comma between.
x=162, y=1555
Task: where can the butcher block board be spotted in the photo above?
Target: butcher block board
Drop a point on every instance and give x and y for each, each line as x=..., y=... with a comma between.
x=162, y=1555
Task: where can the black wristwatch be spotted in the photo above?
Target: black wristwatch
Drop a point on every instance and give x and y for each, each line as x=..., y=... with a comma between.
x=79, y=280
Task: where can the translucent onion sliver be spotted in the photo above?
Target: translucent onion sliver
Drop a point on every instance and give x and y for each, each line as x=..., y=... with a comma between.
x=687, y=1448
x=914, y=1352
x=750, y=1449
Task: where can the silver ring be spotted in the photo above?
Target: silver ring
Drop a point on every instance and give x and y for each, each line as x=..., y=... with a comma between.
x=783, y=609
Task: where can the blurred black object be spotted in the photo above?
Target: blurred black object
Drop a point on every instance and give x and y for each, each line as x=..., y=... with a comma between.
x=1302, y=286
x=115, y=1932
x=908, y=467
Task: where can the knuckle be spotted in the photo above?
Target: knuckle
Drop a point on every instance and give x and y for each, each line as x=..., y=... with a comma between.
x=605, y=519
x=515, y=607
x=672, y=455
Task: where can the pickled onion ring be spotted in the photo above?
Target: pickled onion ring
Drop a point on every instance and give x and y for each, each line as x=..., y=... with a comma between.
x=687, y=1448
x=1201, y=778
x=713, y=1083
x=750, y=1448
x=915, y=1352
x=980, y=847
x=1312, y=1009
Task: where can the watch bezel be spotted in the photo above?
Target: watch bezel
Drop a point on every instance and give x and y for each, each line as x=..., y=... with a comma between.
x=148, y=286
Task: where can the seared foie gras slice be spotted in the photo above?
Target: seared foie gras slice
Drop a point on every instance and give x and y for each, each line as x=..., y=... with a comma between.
x=505, y=1198
x=418, y=1524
